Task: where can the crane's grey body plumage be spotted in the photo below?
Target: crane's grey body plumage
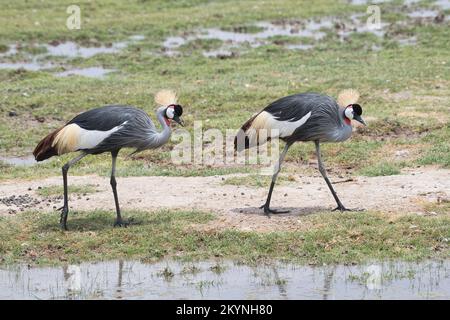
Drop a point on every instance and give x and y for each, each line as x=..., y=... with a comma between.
x=326, y=123
x=302, y=117
x=136, y=128
x=109, y=129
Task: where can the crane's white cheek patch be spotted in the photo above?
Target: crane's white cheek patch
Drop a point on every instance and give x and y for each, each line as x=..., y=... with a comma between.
x=170, y=113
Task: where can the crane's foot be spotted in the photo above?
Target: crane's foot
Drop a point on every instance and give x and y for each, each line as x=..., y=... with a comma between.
x=268, y=211
x=341, y=208
x=120, y=223
x=63, y=218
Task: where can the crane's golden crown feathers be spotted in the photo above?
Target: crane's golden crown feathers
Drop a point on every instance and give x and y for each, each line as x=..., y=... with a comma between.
x=165, y=97
x=348, y=96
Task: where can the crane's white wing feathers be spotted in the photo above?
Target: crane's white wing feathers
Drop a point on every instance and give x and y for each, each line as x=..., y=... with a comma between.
x=272, y=127
x=72, y=138
x=90, y=138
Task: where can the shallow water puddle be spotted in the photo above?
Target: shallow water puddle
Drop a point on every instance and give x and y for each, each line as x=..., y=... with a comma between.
x=443, y=4
x=227, y=280
x=73, y=50
x=31, y=63
x=423, y=13
x=407, y=41
x=299, y=46
x=19, y=161
x=315, y=29
x=361, y=2
x=12, y=50
x=93, y=72
x=30, y=66
x=67, y=49
x=220, y=53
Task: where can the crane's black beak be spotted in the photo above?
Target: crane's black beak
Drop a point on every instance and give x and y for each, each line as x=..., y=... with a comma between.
x=178, y=120
x=359, y=119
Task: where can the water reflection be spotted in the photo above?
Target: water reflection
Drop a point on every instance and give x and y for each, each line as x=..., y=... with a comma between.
x=227, y=280
x=329, y=274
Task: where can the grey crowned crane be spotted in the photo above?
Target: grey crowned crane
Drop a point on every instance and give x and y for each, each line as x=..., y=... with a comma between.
x=109, y=129
x=302, y=117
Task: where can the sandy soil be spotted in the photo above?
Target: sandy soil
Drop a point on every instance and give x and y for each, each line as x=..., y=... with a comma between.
x=238, y=205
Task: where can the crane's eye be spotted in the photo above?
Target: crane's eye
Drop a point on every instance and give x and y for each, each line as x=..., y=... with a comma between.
x=170, y=112
x=357, y=109
x=349, y=113
x=178, y=110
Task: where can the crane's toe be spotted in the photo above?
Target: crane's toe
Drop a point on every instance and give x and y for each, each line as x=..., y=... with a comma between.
x=121, y=223
x=268, y=211
x=341, y=209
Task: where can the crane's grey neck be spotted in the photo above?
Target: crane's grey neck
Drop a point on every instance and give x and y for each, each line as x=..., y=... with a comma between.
x=345, y=130
x=161, y=137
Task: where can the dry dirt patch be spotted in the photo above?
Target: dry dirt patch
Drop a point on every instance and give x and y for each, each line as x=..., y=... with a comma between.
x=238, y=206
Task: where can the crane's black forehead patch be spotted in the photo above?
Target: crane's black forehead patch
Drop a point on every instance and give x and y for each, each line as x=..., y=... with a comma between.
x=357, y=109
x=178, y=110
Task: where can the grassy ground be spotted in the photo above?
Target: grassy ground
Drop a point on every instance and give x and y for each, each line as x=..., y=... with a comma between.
x=355, y=237
x=404, y=91
x=255, y=180
x=58, y=190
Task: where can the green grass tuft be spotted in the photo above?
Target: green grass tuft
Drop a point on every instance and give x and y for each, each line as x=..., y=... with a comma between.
x=35, y=237
x=58, y=190
x=381, y=169
x=224, y=92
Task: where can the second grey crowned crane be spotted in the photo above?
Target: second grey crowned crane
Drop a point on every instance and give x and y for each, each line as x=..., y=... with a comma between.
x=109, y=129
x=302, y=117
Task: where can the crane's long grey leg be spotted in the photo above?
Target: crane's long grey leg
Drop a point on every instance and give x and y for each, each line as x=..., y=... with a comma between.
x=324, y=175
x=65, y=208
x=119, y=222
x=266, y=206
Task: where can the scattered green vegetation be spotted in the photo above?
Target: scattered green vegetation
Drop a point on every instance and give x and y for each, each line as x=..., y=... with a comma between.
x=167, y=273
x=34, y=50
x=443, y=207
x=353, y=237
x=206, y=284
x=201, y=44
x=218, y=268
x=439, y=152
x=243, y=29
x=3, y=48
x=141, y=165
x=404, y=93
x=388, y=275
x=191, y=269
x=74, y=189
x=254, y=180
x=381, y=169
x=404, y=88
